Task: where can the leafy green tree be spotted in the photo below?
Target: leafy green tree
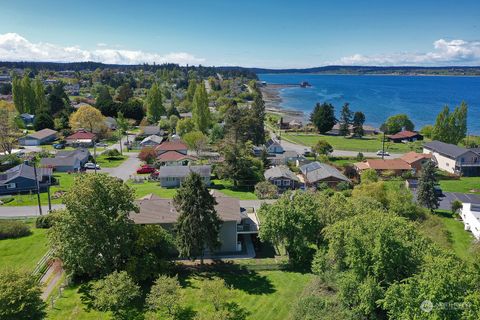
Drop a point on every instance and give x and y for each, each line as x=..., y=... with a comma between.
x=257, y=129
x=115, y=293
x=397, y=123
x=427, y=131
x=9, y=132
x=216, y=293
x=451, y=127
x=236, y=124
x=184, y=126
x=266, y=190
x=41, y=104
x=322, y=147
x=200, y=111
x=28, y=95
x=455, y=206
x=133, y=109
x=122, y=128
x=154, y=104
x=192, y=87
x=195, y=140
x=58, y=100
x=198, y=224
x=101, y=205
x=17, y=92
x=124, y=92
x=217, y=133
x=43, y=120
x=165, y=296
x=426, y=194
x=345, y=120
x=369, y=175
x=323, y=117
x=357, y=124
x=20, y=296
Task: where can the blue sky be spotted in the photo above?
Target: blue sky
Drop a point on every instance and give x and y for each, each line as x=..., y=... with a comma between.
x=248, y=33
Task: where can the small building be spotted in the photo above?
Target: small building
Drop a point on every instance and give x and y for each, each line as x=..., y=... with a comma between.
x=37, y=138
x=175, y=158
x=284, y=158
x=151, y=141
x=273, y=146
x=184, y=115
x=111, y=123
x=173, y=176
x=470, y=214
x=67, y=161
x=416, y=160
x=405, y=136
x=367, y=130
x=454, y=159
x=282, y=177
x=81, y=138
x=174, y=145
x=27, y=118
x=398, y=166
x=151, y=130
x=22, y=179
x=315, y=173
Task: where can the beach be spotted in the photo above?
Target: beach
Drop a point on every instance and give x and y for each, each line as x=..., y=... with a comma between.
x=273, y=100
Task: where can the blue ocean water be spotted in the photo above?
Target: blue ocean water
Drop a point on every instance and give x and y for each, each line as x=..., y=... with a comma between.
x=420, y=97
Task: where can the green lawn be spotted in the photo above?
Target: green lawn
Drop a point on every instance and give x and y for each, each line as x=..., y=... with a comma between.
x=147, y=187
x=365, y=144
x=24, y=253
x=227, y=188
x=65, y=182
x=464, y=185
x=110, y=163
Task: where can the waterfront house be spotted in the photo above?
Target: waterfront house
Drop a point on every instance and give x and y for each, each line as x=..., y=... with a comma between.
x=22, y=179
x=315, y=173
x=282, y=177
x=405, y=136
x=367, y=130
x=416, y=160
x=454, y=159
x=37, y=138
x=173, y=176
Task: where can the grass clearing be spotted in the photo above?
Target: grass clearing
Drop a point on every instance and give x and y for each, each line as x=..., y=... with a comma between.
x=226, y=187
x=463, y=185
x=104, y=162
x=147, y=187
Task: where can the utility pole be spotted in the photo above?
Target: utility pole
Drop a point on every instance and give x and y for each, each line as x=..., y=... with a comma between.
x=48, y=191
x=383, y=146
x=38, y=187
x=95, y=156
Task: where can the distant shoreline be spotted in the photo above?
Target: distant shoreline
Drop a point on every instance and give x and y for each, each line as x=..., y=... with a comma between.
x=273, y=100
x=369, y=74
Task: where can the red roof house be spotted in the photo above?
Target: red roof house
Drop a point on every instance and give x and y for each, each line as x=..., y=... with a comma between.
x=176, y=145
x=405, y=136
x=174, y=158
x=81, y=137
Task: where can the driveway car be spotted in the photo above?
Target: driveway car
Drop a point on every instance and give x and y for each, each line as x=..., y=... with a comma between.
x=146, y=169
x=91, y=165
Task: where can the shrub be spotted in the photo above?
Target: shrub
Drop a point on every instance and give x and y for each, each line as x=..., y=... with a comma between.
x=45, y=222
x=147, y=154
x=111, y=154
x=266, y=190
x=342, y=186
x=359, y=157
x=407, y=175
x=13, y=229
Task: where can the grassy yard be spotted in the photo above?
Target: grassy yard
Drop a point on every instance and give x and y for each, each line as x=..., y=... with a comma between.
x=24, y=253
x=463, y=185
x=267, y=294
x=65, y=182
x=227, y=188
x=365, y=144
x=110, y=163
x=147, y=187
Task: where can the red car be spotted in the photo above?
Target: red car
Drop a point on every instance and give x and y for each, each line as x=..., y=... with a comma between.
x=146, y=169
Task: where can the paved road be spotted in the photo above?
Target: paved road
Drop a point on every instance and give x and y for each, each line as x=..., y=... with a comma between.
x=126, y=169
x=449, y=197
x=25, y=211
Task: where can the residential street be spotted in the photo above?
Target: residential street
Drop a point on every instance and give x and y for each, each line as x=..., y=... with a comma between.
x=126, y=169
x=25, y=211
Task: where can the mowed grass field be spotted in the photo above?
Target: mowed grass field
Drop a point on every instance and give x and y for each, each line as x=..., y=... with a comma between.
x=463, y=185
x=365, y=144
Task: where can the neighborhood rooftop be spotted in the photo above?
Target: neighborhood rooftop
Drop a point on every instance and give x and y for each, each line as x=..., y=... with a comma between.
x=446, y=149
x=183, y=171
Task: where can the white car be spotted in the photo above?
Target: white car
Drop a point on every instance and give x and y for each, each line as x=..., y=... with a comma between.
x=382, y=153
x=91, y=165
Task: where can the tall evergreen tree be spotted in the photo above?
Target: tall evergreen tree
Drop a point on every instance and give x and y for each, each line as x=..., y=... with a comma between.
x=17, y=92
x=41, y=104
x=257, y=130
x=198, y=225
x=28, y=94
x=426, y=187
x=200, y=110
x=323, y=117
x=154, y=104
x=345, y=120
x=358, y=121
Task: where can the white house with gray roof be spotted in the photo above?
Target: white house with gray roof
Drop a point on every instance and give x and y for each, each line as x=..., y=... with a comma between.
x=454, y=159
x=173, y=176
x=315, y=173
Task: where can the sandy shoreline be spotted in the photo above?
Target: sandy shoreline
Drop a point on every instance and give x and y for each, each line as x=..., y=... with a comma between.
x=273, y=101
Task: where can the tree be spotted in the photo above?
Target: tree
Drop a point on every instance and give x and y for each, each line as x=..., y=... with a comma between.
x=88, y=118
x=184, y=126
x=322, y=147
x=236, y=124
x=20, y=296
x=43, y=120
x=369, y=175
x=165, y=296
x=200, y=110
x=397, y=123
x=115, y=293
x=41, y=105
x=195, y=140
x=198, y=224
x=147, y=154
x=451, y=127
x=427, y=131
x=257, y=129
x=358, y=121
x=426, y=194
x=124, y=92
x=192, y=87
x=28, y=95
x=323, y=117
x=266, y=190
x=455, y=206
x=101, y=205
x=17, y=92
x=133, y=109
x=154, y=104
x=215, y=292
x=58, y=100
x=122, y=128
x=8, y=131
x=345, y=120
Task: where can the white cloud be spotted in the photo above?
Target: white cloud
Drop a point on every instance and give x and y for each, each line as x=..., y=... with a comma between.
x=14, y=47
x=454, y=52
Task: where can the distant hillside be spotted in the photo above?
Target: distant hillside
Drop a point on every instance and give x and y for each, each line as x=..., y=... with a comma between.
x=365, y=70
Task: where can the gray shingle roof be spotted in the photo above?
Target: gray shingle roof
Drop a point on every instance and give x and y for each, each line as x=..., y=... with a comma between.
x=271, y=142
x=153, y=138
x=183, y=171
x=316, y=171
x=42, y=134
x=280, y=172
x=23, y=170
x=446, y=149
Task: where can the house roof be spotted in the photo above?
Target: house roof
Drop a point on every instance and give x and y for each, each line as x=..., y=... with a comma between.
x=59, y=162
x=42, y=134
x=149, y=130
x=404, y=135
x=446, y=149
x=413, y=156
x=25, y=171
x=280, y=172
x=316, y=171
x=153, y=138
x=271, y=142
x=154, y=210
x=383, y=164
x=174, y=156
x=174, y=145
x=183, y=171
x=289, y=154
x=81, y=135
x=80, y=153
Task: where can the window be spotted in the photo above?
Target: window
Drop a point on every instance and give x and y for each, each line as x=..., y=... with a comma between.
x=286, y=182
x=278, y=182
x=11, y=186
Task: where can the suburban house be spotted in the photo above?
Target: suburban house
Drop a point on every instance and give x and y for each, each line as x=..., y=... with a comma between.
x=174, y=145
x=286, y=123
x=81, y=138
x=175, y=158
x=454, y=159
x=151, y=130
x=151, y=141
x=398, y=166
x=470, y=214
x=282, y=177
x=416, y=160
x=315, y=173
x=405, y=136
x=27, y=118
x=273, y=146
x=37, y=138
x=155, y=210
x=367, y=130
x=284, y=158
x=67, y=161
x=173, y=176
x=111, y=123
x=21, y=179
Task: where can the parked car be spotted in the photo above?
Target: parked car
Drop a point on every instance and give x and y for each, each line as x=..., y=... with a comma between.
x=91, y=165
x=101, y=144
x=146, y=169
x=382, y=153
x=58, y=146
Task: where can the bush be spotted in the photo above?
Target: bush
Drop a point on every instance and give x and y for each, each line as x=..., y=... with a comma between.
x=342, y=186
x=111, y=154
x=13, y=229
x=266, y=190
x=45, y=222
x=359, y=157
